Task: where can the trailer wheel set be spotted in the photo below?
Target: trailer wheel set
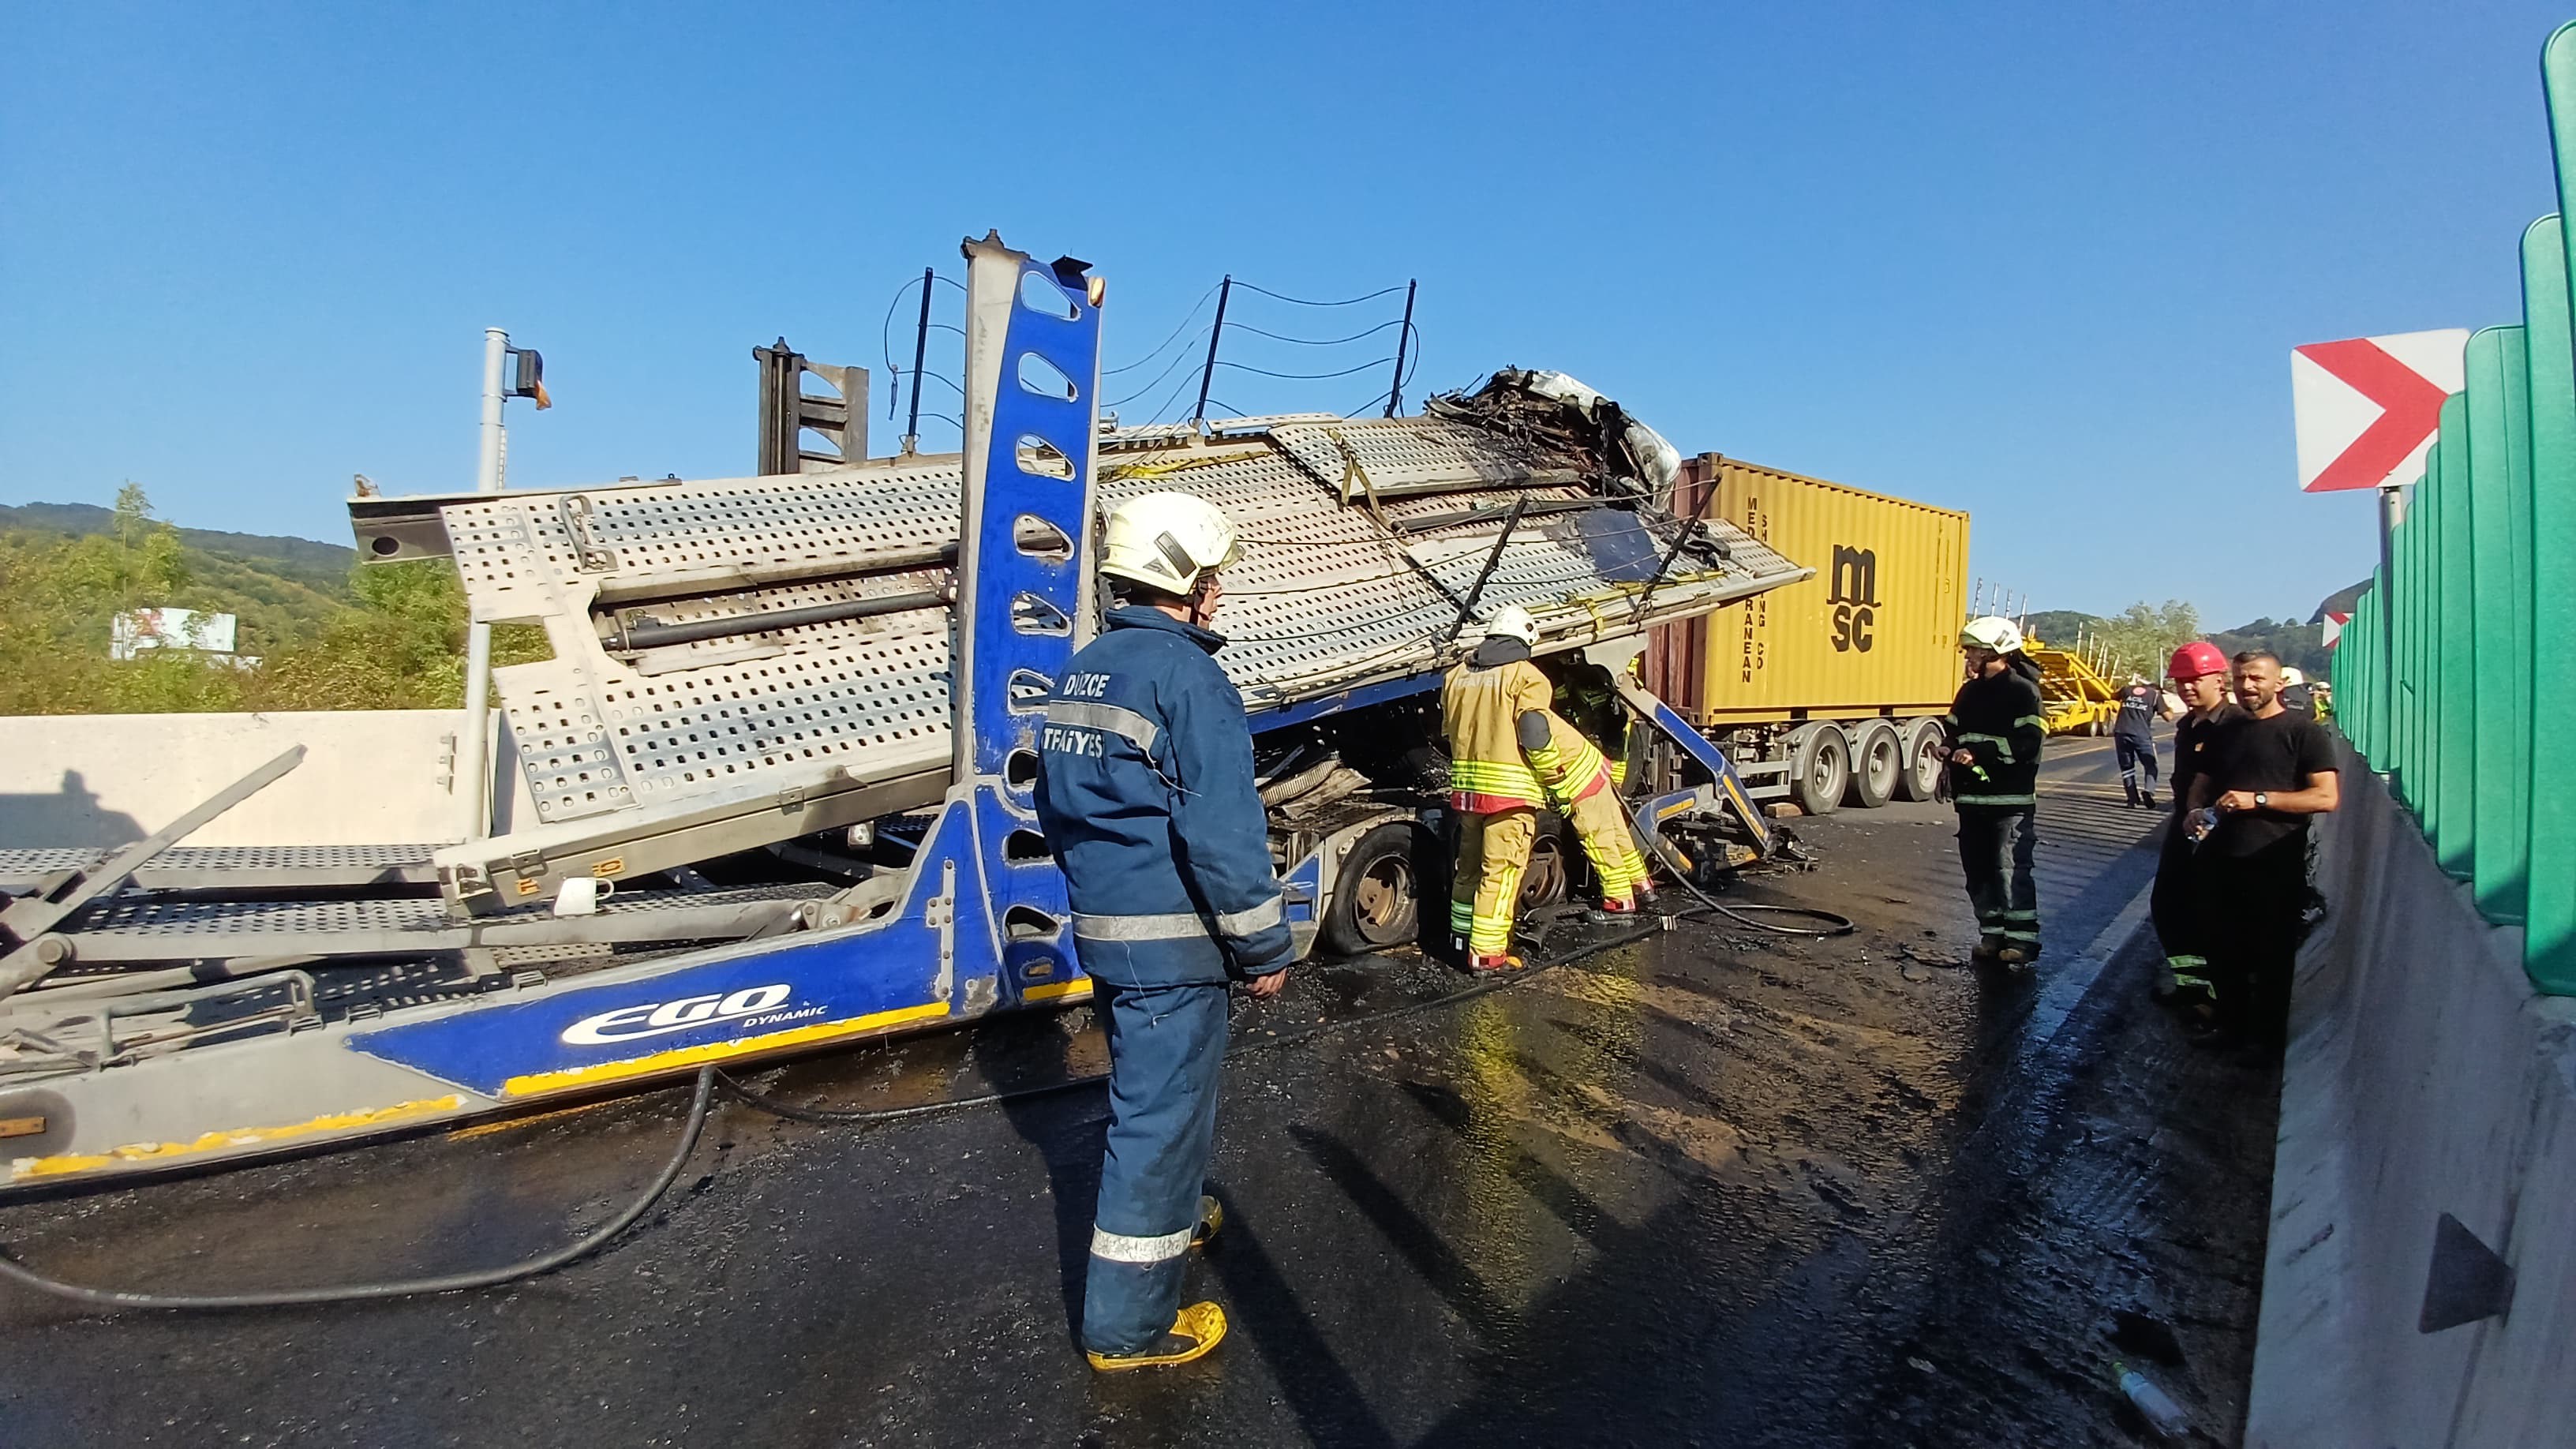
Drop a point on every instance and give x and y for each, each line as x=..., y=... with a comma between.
x=1829, y=765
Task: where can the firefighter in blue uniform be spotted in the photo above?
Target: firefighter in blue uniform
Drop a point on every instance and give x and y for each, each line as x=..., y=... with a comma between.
x=1145, y=790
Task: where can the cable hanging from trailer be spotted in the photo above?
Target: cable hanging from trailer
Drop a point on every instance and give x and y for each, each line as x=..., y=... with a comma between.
x=711, y=1081
x=15, y=1272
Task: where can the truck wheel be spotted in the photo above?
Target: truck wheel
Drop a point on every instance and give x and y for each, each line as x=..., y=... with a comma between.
x=1822, y=771
x=1921, y=776
x=1877, y=762
x=1550, y=876
x=1377, y=899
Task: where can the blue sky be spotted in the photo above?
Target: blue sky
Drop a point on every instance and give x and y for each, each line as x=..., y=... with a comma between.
x=2041, y=262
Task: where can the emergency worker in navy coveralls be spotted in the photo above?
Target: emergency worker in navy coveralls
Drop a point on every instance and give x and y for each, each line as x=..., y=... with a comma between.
x=1145, y=791
x=2133, y=738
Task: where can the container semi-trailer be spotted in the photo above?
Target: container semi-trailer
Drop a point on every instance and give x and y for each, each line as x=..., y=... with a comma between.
x=1827, y=692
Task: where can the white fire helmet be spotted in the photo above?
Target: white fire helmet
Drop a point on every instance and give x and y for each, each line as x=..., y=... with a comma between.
x=1512, y=622
x=1165, y=541
x=2292, y=676
x=1991, y=631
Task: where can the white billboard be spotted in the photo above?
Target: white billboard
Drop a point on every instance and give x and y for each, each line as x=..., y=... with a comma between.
x=138, y=630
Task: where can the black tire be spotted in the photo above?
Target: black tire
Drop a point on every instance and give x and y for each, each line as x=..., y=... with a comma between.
x=1554, y=861
x=1877, y=762
x=1377, y=898
x=1822, y=771
x=1920, y=780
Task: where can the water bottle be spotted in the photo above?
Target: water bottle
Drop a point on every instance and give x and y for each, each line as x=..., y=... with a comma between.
x=2200, y=824
x=2162, y=1414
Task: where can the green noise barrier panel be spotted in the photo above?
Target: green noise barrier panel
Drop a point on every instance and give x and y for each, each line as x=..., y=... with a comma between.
x=2550, y=915
x=2450, y=669
x=2456, y=696
x=2500, y=608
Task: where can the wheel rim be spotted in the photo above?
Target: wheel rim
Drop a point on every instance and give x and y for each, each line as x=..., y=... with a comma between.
x=1927, y=761
x=1543, y=880
x=1823, y=776
x=1885, y=757
x=1382, y=900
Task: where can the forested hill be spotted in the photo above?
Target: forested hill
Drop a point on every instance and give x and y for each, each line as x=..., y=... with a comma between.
x=326, y=633
x=285, y=591
x=316, y=565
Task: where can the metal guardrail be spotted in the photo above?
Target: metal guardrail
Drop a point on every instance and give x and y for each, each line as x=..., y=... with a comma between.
x=2446, y=678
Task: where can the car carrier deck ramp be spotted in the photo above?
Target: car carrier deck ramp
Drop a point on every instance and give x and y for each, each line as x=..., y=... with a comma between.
x=747, y=660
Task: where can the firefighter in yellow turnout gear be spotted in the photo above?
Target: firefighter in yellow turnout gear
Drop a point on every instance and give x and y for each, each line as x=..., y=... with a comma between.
x=1588, y=699
x=1509, y=755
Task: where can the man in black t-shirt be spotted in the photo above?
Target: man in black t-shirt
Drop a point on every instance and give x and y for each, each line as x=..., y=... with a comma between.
x=2276, y=769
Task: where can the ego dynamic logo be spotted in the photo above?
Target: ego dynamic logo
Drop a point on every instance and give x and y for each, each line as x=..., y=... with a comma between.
x=751, y=1006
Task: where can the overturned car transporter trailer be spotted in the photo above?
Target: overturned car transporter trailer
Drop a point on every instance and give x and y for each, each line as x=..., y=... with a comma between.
x=788, y=732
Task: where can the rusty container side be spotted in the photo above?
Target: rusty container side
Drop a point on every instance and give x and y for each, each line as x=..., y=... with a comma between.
x=1874, y=632
x=1672, y=664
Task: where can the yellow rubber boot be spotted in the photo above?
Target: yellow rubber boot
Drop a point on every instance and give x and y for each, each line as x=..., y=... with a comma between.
x=1196, y=1329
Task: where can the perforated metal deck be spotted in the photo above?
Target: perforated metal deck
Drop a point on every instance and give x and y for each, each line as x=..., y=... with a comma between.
x=196, y=867
x=1324, y=600
x=598, y=735
x=146, y=928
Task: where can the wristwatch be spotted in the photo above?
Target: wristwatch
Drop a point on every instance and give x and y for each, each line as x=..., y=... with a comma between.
x=2262, y=800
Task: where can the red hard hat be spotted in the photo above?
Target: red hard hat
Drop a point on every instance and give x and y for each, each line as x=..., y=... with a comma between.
x=2195, y=659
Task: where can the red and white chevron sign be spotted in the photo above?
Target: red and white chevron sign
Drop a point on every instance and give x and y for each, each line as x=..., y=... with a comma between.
x=2334, y=628
x=2367, y=407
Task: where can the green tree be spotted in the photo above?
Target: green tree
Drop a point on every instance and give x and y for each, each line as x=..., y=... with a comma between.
x=58, y=597
x=402, y=647
x=2142, y=636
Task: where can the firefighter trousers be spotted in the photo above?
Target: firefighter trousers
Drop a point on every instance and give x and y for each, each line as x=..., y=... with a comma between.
x=2177, y=907
x=1603, y=828
x=1493, y=853
x=1166, y=1048
x=1996, y=846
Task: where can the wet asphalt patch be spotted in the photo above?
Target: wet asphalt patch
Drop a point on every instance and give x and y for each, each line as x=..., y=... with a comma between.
x=1707, y=1187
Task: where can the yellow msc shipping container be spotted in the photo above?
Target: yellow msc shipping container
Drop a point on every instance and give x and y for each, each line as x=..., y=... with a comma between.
x=1872, y=635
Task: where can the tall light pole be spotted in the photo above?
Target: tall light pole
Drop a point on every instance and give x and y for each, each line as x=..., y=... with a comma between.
x=474, y=741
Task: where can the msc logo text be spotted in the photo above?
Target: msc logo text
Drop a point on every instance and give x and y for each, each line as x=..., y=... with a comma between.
x=1854, y=595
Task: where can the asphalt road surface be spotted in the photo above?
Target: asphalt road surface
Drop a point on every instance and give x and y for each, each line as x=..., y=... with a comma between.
x=1707, y=1187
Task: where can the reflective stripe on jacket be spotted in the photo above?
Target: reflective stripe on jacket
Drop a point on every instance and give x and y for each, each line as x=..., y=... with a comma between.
x=1568, y=765
x=1996, y=719
x=1146, y=795
x=1481, y=705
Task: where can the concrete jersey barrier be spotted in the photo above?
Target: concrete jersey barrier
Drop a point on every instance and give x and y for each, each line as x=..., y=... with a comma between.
x=2425, y=1076
x=370, y=777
